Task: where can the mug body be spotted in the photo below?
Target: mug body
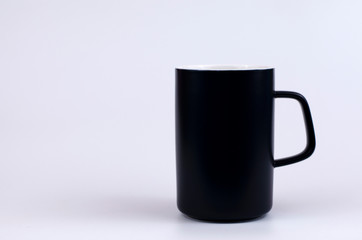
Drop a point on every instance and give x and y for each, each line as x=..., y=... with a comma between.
x=224, y=142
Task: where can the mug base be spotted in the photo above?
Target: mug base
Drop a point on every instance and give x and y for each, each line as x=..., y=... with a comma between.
x=237, y=220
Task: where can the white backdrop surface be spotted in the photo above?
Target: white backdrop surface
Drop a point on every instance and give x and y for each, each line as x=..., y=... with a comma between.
x=87, y=114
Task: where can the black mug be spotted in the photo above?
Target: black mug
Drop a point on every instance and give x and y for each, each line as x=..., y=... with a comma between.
x=224, y=141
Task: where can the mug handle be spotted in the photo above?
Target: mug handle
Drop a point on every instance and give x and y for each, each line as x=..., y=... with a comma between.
x=309, y=149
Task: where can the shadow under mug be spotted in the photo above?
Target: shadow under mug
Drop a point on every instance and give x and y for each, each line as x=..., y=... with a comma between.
x=224, y=141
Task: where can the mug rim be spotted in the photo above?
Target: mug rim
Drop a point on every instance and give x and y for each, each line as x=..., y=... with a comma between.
x=224, y=67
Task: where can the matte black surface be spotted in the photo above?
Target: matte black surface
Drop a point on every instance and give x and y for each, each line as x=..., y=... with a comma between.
x=224, y=142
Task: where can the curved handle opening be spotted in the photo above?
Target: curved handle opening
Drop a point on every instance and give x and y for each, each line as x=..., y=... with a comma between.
x=311, y=142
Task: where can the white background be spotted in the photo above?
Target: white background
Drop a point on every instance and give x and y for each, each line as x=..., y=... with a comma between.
x=87, y=114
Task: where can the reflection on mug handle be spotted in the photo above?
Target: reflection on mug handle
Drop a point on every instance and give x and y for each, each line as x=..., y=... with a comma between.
x=309, y=149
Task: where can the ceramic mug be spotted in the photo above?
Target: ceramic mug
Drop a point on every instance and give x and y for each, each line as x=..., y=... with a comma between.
x=224, y=140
